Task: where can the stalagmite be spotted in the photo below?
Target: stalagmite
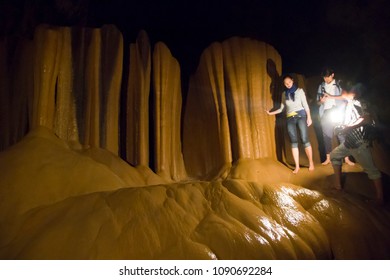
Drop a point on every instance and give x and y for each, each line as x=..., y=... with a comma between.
x=229, y=94
x=137, y=111
x=93, y=90
x=112, y=68
x=64, y=198
x=65, y=125
x=167, y=102
x=248, y=82
x=48, y=43
x=80, y=40
x=206, y=145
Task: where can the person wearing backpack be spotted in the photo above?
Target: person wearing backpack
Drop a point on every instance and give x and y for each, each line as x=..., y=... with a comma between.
x=356, y=131
x=331, y=111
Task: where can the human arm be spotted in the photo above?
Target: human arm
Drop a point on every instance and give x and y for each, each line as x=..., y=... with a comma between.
x=337, y=97
x=360, y=110
x=305, y=106
x=278, y=111
x=321, y=95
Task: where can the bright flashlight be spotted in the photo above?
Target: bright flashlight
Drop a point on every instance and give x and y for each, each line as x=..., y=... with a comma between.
x=336, y=116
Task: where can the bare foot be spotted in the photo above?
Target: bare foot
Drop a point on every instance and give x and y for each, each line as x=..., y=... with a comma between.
x=326, y=162
x=311, y=167
x=295, y=171
x=349, y=162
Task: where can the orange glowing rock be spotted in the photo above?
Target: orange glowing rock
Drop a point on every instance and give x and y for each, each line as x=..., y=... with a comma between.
x=169, y=162
x=224, y=117
x=137, y=111
x=65, y=193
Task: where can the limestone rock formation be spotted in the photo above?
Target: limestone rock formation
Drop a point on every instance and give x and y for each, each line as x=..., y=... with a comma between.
x=137, y=117
x=59, y=202
x=224, y=116
x=65, y=192
x=167, y=112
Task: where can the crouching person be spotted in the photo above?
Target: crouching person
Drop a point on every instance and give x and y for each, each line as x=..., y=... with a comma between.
x=355, y=129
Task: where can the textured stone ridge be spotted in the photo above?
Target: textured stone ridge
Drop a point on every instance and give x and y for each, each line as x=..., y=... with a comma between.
x=137, y=111
x=224, y=116
x=63, y=202
x=169, y=162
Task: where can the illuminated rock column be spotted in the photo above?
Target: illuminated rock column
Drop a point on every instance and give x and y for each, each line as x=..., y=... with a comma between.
x=225, y=117
x=138, y=90
x=48, y=43
x=167, y=101
x=248, y=94
x=93, y=90
x=206, y=144
x=112, y=68
x=65, y=125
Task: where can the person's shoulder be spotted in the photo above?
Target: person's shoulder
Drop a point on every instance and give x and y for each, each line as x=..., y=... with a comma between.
x=362, y=103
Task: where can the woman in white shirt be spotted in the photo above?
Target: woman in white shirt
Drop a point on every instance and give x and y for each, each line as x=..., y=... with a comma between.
x=298, y=115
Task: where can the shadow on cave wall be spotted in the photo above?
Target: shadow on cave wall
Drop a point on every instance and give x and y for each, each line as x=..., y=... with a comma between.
x=276, y=87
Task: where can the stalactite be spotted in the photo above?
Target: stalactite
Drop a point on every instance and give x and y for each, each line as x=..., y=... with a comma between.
x=167, y=96
x=138, y=89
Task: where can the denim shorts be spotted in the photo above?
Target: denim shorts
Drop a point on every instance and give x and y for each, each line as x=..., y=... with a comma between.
x=301, y=123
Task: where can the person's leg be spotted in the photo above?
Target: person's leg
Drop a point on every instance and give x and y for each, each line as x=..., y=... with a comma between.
x=302, y=124
x=348, y=161
x=292, y=133
x=379, y=191
x=336, y=157
x=309, y=154
x=295, y=153
x=364, y=157
x=341, y=139
x=327, y=160
x=327, y=132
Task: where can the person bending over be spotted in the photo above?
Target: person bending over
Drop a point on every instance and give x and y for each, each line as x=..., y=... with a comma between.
x=356, y=131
